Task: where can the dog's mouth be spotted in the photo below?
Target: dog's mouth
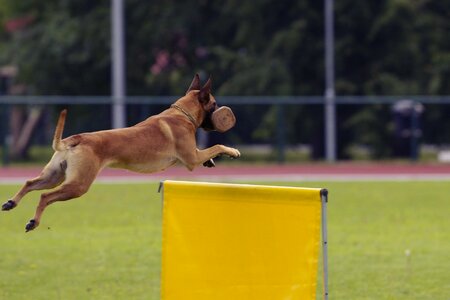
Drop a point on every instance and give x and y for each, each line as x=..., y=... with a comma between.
x=219, y=119
x=207, y=123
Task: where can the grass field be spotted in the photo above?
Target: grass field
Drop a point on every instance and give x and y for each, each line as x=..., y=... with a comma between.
x=387, y=240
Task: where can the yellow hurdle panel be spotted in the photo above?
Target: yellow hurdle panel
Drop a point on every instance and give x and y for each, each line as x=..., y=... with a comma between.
x=234, y=241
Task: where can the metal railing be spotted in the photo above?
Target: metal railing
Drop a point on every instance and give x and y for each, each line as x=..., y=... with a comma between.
x=280, y=102
x=235, y=100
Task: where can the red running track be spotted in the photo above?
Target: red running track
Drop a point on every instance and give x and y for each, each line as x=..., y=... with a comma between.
x=303, y=172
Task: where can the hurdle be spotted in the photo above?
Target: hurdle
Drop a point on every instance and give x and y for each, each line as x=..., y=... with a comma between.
x=239, y=241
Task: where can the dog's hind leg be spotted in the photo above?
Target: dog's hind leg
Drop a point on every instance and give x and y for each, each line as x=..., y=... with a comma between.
x=52, y=175
x=64, y=192
x=76, y=184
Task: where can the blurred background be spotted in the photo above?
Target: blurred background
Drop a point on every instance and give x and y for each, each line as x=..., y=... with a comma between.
x=368, y=81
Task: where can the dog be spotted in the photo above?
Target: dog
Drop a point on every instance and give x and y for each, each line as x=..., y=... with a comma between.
x=150, y=146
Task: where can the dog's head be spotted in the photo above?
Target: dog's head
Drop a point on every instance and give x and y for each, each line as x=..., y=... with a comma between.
x=214, y=118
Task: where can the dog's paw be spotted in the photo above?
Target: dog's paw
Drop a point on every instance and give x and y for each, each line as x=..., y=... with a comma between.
x=8, y=205
x=234, y=153
x=209, y=163
x=31, y=225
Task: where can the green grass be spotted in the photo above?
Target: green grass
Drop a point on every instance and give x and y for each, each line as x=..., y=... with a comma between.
x=106, y=245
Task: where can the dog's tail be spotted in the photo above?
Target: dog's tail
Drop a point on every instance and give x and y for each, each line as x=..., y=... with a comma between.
x=57, y=145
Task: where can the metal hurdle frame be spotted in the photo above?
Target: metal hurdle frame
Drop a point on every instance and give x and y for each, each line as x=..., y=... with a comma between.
x=324, y=197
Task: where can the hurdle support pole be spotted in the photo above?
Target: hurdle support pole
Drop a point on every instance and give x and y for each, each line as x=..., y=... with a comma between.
x=324, y=197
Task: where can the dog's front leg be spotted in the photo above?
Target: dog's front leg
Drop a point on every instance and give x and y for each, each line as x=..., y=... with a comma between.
x=205, y=155
x=209, y=163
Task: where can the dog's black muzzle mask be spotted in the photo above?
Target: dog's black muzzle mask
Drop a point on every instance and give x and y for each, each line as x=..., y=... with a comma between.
x=207, y=123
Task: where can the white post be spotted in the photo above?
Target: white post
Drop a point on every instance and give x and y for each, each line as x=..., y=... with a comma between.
x=330, y=106
x=118, y=86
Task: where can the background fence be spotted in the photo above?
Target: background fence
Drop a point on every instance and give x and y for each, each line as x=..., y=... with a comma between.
x=269, y=128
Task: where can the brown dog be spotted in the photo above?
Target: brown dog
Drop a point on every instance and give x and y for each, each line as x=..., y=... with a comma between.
x=150, y=146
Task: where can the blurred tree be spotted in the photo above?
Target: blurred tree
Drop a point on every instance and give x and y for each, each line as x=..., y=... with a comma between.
x=63, y=49
x=390, y=47
x=59, y=48
x=249, y=49
x=261, y=47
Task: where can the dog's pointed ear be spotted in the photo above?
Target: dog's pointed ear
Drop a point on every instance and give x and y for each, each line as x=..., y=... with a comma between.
x=195, y=84
x=203, y=96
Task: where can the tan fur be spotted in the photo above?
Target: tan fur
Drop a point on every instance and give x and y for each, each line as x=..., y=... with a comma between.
x=150, y=146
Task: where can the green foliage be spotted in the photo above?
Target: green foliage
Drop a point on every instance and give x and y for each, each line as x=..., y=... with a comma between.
x=64, y=49
x=390, y=47
x=372, y=127
x=387, y=47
